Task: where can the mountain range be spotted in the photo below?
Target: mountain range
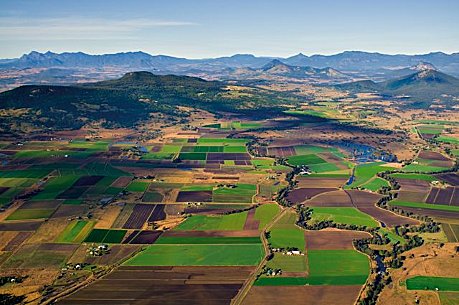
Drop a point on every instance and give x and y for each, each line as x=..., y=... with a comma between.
x=345, y=61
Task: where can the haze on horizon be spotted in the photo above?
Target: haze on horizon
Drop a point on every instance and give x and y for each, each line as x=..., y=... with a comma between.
x=206, y=28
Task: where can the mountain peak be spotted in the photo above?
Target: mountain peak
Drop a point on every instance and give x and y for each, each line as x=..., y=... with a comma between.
x=422, y=66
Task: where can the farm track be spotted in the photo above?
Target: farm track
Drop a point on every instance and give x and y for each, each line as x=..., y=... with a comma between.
x=239, y=298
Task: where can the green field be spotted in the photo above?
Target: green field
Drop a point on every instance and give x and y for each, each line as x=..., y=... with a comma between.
x=430, y=129
x=55, y=186
x=288, y=263
x=305, y=160
x=21, y=214
x=421, y=205
x=432, y=283
x=422, y=168
x=265, y=213
x=192, y=240
x=223, y=142
x=337, y=267
x=365, y=172
x=447, y=139
x=286, y=234
x=343, y=215
x=234, y=222
x=242, y=193
x=199, y=255
x=137, y=186
x=375, y=184
x=424, y=177
x=105, y=236
x=75, y=232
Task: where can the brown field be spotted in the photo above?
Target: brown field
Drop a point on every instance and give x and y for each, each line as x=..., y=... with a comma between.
x=117, y=253
x=428, y=260
x=281, y=151
x=122, y=182
x=365, y=202
x=320, y=182
x=433, y=213
x=108, y=217
x=49, y=231
x=20, y=226
x=299, y=195
x=16, y=241
x=69, y=211
x=302, y=295
x=332, y=239
x=337, y=198
x=412, y=196
x=52, y=204
x=451, y=231
x=164, y=285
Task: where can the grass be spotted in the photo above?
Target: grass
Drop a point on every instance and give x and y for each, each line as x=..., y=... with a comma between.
x=199, y=255
x=234, y=222
x=265, y=213
x=197, y=187
x=449, y=298
x=343, y=215
x=421, y=205
x=207, y=240
x=323, y=167
x=430, y=129
x=137, y=186
x=432, y=283
x=424, y=177
x=21, y=214
x=423, y=168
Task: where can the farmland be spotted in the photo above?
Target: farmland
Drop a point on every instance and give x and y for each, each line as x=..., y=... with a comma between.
x=223, y=210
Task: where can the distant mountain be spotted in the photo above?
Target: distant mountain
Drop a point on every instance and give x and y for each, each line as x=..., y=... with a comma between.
x=422, y=86
x=346, y=61
x=277, y=67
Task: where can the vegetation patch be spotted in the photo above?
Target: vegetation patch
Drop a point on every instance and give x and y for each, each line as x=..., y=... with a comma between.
x=432, y=283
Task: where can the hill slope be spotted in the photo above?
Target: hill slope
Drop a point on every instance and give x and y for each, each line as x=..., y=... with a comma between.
x=125, y=101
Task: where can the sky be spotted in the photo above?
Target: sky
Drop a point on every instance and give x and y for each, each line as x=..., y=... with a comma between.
x=213, y=28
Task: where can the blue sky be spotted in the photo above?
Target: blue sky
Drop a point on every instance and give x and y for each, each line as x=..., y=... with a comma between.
x=210, y=28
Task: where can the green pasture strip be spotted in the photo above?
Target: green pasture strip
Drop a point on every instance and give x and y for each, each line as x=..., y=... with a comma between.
x=232, y=222
x=433, y=283
x=343, y=215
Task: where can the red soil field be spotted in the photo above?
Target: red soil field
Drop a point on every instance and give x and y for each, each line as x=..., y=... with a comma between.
x=332, y=240
x=20, y=226
x=139, y=216
x=365, y=202
x=121, y=182
x=251, y=223
x=337, y=198
x=299, y=195
x=193, y=196
x=302, y=295
x=164, y=285
x=455, y=197
x=413, y=185
x=146, y=237
x=432, y=195
x=158, y=213
x=433, y=213
x=431, y=155
x=412, y=196
x=51, y=204
x=444, y=196
x=281, y=151
x=69, y=211
x=451, y=178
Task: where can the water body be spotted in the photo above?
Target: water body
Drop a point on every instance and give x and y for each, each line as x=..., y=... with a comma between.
x=364, y=153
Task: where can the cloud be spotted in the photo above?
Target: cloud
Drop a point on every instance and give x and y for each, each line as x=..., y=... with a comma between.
x=79, y=28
